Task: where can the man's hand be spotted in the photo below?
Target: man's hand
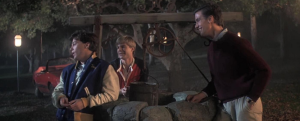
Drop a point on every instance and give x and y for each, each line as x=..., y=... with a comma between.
x=76, y=105
x=123, y=91
x=63, y=101
x=196, y=98
x=250, y=103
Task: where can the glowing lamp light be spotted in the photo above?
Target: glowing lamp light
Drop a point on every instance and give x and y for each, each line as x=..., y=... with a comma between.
x=18, y=40
x=239, y=34
x=165, y=38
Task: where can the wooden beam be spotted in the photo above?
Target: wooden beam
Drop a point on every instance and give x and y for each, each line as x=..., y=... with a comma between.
x=147, y=18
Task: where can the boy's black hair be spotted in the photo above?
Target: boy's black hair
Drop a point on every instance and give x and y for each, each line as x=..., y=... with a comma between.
x=85, y=37
x=212, y=9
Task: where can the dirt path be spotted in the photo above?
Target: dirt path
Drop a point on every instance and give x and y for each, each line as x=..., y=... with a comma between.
x=25, y=107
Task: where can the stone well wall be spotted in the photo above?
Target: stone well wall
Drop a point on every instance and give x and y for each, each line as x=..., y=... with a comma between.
x=179, y=110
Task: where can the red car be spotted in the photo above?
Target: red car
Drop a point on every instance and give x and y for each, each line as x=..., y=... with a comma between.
x=45, y=78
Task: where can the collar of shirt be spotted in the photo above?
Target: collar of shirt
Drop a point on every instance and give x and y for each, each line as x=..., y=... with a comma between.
x=81, y=66
x=220, y=35
x=78, y=74
x=93, y=56
x=122, y=66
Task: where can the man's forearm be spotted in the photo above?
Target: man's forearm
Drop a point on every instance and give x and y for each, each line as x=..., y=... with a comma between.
x=209, y=89
x=58, y=93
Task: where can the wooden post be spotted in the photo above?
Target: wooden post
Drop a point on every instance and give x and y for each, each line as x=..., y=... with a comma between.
x=100, y=42
x=253, y=30
x=98, y=31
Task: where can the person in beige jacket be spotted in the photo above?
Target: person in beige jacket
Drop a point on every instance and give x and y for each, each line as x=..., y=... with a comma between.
x=88, y=83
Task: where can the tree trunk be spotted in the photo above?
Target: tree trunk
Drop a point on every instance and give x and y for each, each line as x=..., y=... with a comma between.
x=176, y=80
x=37, y=55
x=30, y=65
x=103, y=55
x=253, y=30
x=281, y=41
x=138, y=37
x=65, y=50
x=47, y=53
x=54, y=54
x=174, y=61
x=36, y=63
x=112, y=52
x=41, y=56
x=30, y=61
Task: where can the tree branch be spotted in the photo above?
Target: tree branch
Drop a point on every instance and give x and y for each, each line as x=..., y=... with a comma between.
x=118, y=6
x=26, y=58
x=67, y=3
x=117, y=30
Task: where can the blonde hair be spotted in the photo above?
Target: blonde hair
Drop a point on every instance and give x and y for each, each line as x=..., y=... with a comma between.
x=126, y=40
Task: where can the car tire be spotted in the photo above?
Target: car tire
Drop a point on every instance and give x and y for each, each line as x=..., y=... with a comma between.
x=38, y=93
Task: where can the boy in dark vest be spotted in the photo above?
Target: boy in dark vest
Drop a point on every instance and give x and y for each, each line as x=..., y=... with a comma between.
x=88, y=83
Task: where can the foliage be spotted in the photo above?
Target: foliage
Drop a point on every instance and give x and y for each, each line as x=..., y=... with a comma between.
x=293, y=10
x=28, y=16
x=255, y=7
x=57, y=41
x=258, y=7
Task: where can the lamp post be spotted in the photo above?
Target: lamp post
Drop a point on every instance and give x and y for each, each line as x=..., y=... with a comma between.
x=18, y=42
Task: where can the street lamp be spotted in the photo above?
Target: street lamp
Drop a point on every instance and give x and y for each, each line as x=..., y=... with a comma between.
x=239, y=34
x=18, y=42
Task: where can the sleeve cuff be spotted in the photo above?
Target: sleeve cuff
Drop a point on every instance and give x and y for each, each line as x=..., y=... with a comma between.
x=204, y=93
x=254, y=99
x=207, y=92
x=86, y=102
x=58, y=101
